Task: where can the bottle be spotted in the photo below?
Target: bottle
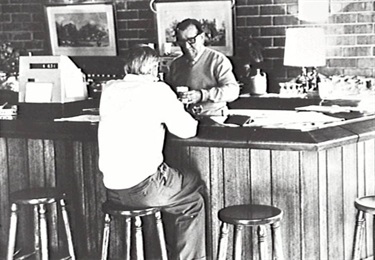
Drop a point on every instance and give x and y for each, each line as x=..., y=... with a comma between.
x=258, y=83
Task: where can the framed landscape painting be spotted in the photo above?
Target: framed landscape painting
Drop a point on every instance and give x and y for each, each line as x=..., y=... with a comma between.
x=82, y=29
x=215, y=16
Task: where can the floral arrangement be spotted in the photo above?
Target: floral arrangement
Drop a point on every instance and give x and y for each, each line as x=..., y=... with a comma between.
x=250, y=53
x=9, y=61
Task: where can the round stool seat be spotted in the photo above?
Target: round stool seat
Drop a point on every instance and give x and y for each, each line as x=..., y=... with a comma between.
x=36, y=196
x=366, y=204
x=123, y=210
x=250, y=215
x=255, y=216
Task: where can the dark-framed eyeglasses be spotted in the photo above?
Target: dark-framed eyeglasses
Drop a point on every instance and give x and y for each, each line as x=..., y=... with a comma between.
x=190, y=40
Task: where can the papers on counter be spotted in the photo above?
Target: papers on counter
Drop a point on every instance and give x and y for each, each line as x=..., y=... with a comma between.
x=285, y=119
x=80, y=118
x=8, y=112
x=329, y=109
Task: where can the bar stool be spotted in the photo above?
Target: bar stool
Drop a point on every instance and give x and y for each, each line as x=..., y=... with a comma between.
x=250, y=215
x=39, y=198
x=111, y=209
x=363, y=205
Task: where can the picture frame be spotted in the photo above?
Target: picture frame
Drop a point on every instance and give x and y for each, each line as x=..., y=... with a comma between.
x=82, y=29
x=216, y=17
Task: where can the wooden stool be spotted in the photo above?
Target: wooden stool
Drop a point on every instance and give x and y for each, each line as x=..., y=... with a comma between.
x=363, y=205
x=38, y=198
x=112, y=209
x=250, y=215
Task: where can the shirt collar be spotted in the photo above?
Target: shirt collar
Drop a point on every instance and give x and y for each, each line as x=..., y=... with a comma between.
x=135, y=77
x=192, y=62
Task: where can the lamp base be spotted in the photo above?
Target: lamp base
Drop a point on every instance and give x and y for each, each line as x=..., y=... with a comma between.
x=309, y=79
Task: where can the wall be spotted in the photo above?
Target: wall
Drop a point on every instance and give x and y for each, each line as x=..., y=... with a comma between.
x=350, y=31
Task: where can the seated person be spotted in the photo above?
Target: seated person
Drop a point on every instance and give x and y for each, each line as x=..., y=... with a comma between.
x=207, y=73
x=135, y=112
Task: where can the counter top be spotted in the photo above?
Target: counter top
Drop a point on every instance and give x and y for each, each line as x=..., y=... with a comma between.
x=212, y=134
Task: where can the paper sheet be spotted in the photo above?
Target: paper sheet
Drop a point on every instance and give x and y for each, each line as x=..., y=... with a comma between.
x=38, y=92
x=80, y=118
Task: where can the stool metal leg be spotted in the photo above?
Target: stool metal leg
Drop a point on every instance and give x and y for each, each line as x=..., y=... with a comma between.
x=277, y=247
x=223, y=242
x=237, y=248
x=12, y=231
x=43, y=231
x=105, y=243
x=127, y=237
x=358, y=235
x=138, y=239
x=262, y=242
x=67, y=230
x=160, y=231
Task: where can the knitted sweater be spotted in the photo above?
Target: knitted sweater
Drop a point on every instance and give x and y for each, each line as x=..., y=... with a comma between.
x=212, y=74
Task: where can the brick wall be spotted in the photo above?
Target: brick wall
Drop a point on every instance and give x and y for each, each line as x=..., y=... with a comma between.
x=350, y=31
x=350, y=34
x=22, y=23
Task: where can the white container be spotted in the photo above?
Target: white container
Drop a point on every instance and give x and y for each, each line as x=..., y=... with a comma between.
x=167, y=48
x=258, y=83
x=180, y=91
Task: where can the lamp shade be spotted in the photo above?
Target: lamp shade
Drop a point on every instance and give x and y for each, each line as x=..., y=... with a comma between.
x=305, y=47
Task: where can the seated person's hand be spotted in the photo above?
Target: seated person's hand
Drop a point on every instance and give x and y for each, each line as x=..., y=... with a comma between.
x=191, y=97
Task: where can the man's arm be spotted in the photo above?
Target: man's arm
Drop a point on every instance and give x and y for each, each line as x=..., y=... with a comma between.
x=228, y=89
x=177, y=120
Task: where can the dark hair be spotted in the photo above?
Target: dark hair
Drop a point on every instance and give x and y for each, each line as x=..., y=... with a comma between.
x=181, y=26
x=139, y=59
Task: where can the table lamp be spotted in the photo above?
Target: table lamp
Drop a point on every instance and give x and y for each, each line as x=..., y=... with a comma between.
x=305, y=47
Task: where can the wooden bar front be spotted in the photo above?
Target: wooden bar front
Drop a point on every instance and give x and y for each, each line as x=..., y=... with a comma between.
x=314, y=180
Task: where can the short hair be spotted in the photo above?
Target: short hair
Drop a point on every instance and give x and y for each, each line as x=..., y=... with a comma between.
x=139, y=60
x=181, y=26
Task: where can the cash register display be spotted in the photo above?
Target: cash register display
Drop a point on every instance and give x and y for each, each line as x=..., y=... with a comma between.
x=44, y=66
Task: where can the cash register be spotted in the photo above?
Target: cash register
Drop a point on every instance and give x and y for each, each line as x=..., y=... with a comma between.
x=50, y=79
x=51, y=87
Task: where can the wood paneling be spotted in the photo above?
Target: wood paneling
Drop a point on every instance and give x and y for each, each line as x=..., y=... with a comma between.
x=216, y=186
x=322, y=209
x=309, y=178
x=4, y=187
x=315, y=189
x=335, y=203
x=286, y=195
x=349, y=195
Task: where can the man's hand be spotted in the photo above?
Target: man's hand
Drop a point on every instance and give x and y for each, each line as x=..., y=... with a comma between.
x=192, y=96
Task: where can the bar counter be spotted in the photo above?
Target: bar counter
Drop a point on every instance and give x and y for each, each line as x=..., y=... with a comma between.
x=313, y=176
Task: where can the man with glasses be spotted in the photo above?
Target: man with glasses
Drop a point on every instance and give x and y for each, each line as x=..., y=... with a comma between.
x=207, y=73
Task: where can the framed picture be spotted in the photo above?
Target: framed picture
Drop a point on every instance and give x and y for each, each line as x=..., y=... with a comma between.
x=215, y=16
x=82, y=29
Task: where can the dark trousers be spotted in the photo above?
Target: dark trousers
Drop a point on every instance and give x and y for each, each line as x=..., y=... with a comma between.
x=180, y=195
